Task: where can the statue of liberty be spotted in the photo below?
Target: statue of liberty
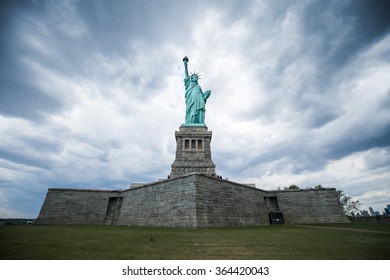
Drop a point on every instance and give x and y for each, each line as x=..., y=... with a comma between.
x=195, y=97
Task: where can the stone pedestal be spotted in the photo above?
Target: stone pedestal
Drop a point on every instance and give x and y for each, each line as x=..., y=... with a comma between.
x=193, y=152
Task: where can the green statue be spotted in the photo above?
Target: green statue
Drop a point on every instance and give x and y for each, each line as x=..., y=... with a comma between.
x=195, y=97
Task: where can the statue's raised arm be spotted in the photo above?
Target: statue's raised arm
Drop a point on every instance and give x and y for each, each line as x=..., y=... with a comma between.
x=185, y=61
x=195, y=98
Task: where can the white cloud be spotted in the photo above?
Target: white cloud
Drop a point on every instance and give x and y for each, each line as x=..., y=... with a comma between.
x=11, y=213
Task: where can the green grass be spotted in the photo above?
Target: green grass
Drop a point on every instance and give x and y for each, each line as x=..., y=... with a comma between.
x=320, y=242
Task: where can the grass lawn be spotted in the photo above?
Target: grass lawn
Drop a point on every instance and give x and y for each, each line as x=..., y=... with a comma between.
x=313, y=242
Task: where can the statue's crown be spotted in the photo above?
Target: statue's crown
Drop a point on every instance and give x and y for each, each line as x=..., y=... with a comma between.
x=195, y=74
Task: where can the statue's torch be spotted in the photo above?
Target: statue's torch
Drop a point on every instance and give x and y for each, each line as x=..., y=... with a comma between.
x=185, y=60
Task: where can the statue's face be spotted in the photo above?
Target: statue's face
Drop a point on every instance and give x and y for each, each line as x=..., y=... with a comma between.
x=194, y=78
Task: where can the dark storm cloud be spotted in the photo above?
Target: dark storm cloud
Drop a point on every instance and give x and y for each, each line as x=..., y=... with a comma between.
x=19, y=94
x=22, y=158
x=23, y=100
x=374, y=162
x=356, y=142
x=123, y=22
x=8, y=11
x=364, y=22
x=30, y=150
x=336, y=32
x=330, y=34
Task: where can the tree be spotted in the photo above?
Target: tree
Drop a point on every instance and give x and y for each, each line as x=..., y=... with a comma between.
x=292, y=187
x=350, y=206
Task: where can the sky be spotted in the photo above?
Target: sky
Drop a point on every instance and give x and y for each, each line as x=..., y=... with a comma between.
x=91, y=93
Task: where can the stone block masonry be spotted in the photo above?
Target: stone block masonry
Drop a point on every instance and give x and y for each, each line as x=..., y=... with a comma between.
x=222, y=203
x=191, y=201
x=310, y=206
x=169, y=203
x=193, y=152
x=75, y=207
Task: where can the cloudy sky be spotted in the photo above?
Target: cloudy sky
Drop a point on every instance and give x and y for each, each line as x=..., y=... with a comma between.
x=91, y=93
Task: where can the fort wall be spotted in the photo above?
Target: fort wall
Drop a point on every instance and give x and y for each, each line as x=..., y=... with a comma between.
x=310, y=206
x=75, y=207
x=169, y=203
x=222, y=203
x=189, y=201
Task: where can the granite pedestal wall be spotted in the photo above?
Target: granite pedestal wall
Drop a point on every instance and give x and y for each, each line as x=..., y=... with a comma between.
x=191, y=201
x=193, y=151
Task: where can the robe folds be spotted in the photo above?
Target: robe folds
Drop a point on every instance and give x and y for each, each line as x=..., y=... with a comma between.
x=195, y=102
